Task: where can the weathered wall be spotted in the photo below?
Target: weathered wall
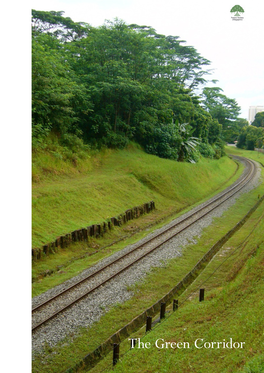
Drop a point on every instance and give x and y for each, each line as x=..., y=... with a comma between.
x=95, y=230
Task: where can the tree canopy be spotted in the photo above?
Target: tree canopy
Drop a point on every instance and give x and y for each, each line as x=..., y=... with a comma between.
x=251, y=137
x=259, y=120
x=117, y=82
x=225, y=110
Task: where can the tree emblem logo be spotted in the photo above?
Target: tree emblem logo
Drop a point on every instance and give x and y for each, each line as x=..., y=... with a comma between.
x=236, y=11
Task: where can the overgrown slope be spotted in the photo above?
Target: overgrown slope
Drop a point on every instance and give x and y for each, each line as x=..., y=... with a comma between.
x=70, y=197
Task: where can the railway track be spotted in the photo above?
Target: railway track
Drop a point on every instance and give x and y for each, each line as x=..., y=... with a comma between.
x=66, y=298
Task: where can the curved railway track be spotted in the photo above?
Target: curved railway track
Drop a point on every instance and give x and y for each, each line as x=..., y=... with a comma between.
x=52, y=307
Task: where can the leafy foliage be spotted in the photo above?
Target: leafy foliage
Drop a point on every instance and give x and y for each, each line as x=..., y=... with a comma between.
x=54, y=23
x=259, y=120
x=233, y=129
x=188, y=143
x=117, y=82
x=206, y=150
x=54, y=86
x=251, y=137
x=225, y=110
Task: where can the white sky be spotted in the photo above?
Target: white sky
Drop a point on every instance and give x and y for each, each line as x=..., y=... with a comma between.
x=235, y=48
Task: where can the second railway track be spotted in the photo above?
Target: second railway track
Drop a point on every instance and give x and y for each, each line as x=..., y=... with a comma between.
x=44, y=311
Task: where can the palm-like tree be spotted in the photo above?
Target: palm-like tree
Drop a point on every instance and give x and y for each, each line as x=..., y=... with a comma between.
x=188, y=143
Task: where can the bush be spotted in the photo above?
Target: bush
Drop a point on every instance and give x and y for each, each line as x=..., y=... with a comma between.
x=162, y=150
x=193, y=156
x=163, y=141
x=219, y=148
x=115, y=140
x=206, y=150
x=73, y=142
x=39, y=136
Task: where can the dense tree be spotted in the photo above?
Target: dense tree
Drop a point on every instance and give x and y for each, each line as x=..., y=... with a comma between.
x=232, y=131
x=120, y=82
x=222, y=108
x=54, y=23
x=251, y=137
x=51, y=86
x=56, y=92
x=214, y=131
x=259, y=120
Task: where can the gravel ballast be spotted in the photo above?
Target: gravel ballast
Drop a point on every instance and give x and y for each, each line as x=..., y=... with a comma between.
x=90, y=309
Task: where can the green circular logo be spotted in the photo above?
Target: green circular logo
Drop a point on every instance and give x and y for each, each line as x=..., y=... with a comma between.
x=237, y=9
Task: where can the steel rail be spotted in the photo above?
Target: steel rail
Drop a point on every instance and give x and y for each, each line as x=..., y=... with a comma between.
x=219, y=196
x=241, y=184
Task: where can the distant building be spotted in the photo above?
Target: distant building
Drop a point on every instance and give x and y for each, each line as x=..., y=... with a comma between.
x=253, y=110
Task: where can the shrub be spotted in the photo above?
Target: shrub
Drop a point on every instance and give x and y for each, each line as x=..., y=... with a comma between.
x=115, y=140
x=193, y=156
x=73, y=142
x=163, y=141
x=39, y=136
x=219, y=148
x=206, y=150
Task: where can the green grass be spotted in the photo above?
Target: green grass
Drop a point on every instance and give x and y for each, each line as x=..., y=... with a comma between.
x=73, y=348
x=233, y=308
x=116, y=181
x=230, y=310
x=255, y=155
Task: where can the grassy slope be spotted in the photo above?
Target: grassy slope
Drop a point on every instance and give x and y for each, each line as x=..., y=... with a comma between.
x=231, y=310
x=233, y=306
x=68, y=197
x=114, y=181
x=255, y=155
x=68, y=354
